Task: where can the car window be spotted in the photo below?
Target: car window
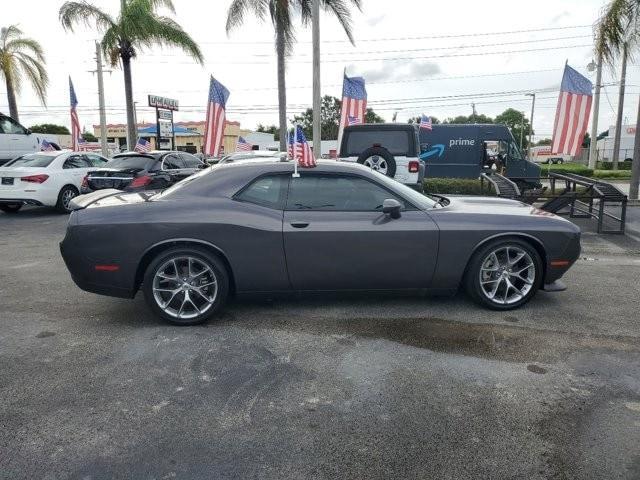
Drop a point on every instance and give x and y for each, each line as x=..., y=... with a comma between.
x=31, y=160
x=10, y=126
x=396, y=141
x=337, y=192
x=172, y=162
x=514, y=152
x=269, y=191
x=129, y=161
x=190, y=161
x=75, y=161
x=95, y=160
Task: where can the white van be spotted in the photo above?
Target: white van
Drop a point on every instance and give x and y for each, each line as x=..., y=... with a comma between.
x=16, y=140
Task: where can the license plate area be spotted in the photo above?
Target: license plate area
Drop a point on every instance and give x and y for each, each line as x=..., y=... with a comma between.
x=7, y=180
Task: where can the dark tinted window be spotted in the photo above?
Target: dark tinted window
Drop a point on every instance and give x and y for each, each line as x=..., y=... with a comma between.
x=75, y=161
x=398, y=142
x=129, y=162
x=190, y=161
x=334, y=192
x=172, y=162
x=32, y=160
x=269, y=191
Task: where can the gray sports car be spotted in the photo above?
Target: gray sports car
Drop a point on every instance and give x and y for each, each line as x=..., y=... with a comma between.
x=254, y=227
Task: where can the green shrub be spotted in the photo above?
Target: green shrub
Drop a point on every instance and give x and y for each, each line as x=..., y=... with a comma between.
x=612, y=174
x=576, y=168
x=609, y=165
x=457, y=186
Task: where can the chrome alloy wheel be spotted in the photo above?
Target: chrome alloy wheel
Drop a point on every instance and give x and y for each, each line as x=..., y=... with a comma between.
x=66, y=198
x=507, y=275
x=185, y=287
x=377, y=163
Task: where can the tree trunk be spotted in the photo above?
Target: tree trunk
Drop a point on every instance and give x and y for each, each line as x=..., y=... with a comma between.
x=623, y=77
x=11, y=99
x=132, y=128
x=635, y=166
x=282, y=92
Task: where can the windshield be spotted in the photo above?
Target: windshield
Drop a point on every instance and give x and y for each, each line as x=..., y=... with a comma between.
x=398, y=142
x=128, y=162
x=31, y=160
x=418, y=199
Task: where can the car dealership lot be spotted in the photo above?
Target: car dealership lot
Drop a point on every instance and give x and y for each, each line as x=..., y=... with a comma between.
x=96, y=387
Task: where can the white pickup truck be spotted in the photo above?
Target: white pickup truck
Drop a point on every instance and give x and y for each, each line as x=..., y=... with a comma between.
x=16, y=140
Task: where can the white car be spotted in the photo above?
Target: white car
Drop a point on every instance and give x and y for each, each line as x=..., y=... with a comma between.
x=16, y=140
x=49, y=179
x=392, y=149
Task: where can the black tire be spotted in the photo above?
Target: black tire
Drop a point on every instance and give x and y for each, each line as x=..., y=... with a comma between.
x=382, y=153
x=68, y=193
x=473, y=274
x=10, y=207
x=211, y=261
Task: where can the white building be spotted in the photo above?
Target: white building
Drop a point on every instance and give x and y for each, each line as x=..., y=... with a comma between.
x=604, y=146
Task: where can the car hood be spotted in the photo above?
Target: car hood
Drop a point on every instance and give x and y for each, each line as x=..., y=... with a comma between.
x=494, y=206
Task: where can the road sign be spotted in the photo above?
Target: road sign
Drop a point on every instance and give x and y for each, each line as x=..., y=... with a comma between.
x=163, y=102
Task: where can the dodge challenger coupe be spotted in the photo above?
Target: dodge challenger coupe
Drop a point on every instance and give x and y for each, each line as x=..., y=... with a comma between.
x=255, y=227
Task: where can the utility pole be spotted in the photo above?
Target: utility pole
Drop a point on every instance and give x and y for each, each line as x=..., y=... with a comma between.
x=103, y=115
x=623, y=76
x=317, y=105
x=521, y=130
x=473, y=109
x=596, y=109
x=533, y=107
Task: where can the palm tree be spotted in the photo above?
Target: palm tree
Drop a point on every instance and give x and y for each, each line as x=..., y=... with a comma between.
x=281, y=14
x=617, y=37
x=21, y=56
x=137, y=26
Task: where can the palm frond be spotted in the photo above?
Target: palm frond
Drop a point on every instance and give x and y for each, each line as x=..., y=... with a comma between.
x=83, y=12
x=613, y=29
x=280, y=12
x=9, y=33
x=37, y=75
x=239, y=8
x=27, y=44
x=9, y=70
x=164, y=31
x=110, y=45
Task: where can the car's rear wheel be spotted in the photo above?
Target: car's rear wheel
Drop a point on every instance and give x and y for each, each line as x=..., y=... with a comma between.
x=10, y=207
x=504, y=274
x=65, y=196
x=186, y=286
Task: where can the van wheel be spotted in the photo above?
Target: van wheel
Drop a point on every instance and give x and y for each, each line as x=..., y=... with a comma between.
x=68, y=193
x=380, y=160
x=10, y=207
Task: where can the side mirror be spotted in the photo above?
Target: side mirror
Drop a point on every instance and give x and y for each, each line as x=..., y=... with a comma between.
x=391, y=207
x=28, y=132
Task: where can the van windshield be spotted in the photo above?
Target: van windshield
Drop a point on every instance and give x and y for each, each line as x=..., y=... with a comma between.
x=398, y=142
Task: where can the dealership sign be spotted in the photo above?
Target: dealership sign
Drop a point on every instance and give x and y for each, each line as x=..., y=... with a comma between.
x=163, y=102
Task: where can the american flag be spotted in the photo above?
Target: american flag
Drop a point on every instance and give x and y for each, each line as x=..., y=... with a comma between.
x=290, y=138
x=243, y=145
x=75, y=123
x=302, y=151
x=143, y=146
x=425, y=122
x=572, y=113
x=214, y=125
x=353, y=120
x=46, y=146
x=354, y=102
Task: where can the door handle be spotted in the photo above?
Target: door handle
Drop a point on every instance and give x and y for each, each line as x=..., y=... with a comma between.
x=296, y=224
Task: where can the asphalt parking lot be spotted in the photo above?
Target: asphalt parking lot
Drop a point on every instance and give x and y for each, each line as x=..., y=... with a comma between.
x=94, y=387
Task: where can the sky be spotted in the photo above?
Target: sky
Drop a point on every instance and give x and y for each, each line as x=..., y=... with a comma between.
x=416, y=56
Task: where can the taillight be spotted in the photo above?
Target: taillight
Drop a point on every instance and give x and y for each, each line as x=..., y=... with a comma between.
x=414, y=166
x=140, y=181
x=85, y=181
x=35, y=178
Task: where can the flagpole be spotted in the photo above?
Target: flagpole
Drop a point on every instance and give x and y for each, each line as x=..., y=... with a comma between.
x=317, y=101
x=293, y=152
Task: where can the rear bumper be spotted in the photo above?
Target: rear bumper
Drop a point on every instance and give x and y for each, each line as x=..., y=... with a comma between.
x=21, y=201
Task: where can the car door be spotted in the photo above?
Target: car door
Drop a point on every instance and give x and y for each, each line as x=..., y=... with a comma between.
x=336, y=236
x=174, y=167
x=74, y=168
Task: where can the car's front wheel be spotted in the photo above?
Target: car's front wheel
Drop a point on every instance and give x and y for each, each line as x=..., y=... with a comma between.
x=186, y=285
x=504, y=274
x=10, y=207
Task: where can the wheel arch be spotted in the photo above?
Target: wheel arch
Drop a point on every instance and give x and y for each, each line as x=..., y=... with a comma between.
x=155, y=250
x=530, y=239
